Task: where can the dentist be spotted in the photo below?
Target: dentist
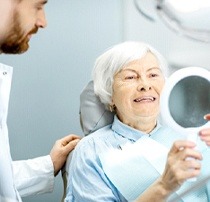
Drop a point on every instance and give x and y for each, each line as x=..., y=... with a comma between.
x=20, y=19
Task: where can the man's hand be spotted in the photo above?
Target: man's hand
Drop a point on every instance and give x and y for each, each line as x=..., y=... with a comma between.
x=61, y=149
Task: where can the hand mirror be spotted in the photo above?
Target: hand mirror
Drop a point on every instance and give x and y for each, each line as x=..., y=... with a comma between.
x=185, y=100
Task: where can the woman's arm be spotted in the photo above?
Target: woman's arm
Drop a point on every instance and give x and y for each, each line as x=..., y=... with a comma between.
x=155, y=193
x=178, y=169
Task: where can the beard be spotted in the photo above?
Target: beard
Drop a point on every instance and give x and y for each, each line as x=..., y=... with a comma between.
x=16, y=42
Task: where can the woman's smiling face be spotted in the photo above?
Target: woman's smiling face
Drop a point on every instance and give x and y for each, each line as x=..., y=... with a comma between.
x=137, y=88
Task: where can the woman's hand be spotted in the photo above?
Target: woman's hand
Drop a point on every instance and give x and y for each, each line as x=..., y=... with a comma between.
x=182, y=164
x=205, y=133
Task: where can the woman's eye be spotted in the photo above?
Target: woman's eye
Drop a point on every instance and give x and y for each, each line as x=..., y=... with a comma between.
x=153, y=75
x=130, y=77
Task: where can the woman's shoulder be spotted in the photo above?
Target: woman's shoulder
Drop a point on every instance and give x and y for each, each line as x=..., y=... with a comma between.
x=99, y=134
x=96, y=139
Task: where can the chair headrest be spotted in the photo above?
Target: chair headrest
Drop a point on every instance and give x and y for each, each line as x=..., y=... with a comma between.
x=93, y=114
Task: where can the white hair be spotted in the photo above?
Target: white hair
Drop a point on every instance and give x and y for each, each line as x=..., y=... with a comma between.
x=116, y=58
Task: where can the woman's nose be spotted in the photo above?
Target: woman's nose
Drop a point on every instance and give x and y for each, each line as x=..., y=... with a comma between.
x=144, y=86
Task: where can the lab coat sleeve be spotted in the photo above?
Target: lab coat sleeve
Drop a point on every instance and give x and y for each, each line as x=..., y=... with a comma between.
x=34, y=176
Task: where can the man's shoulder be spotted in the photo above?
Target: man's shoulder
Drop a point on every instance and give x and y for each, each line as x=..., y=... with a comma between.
x=5, y=67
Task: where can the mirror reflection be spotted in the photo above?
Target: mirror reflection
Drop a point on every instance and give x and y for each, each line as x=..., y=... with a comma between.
x=189, y=101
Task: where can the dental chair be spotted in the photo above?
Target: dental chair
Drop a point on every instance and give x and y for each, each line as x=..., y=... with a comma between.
x=93, y=116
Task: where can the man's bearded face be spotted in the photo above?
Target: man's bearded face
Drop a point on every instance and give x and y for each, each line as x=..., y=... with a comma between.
x=17, y=39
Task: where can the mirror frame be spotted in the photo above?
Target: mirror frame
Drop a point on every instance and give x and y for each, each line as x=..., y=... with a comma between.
x=167, y=89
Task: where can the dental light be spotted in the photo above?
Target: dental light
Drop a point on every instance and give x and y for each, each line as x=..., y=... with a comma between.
x=189, y=18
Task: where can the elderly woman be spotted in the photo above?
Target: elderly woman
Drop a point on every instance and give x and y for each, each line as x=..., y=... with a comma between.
x=135, y=158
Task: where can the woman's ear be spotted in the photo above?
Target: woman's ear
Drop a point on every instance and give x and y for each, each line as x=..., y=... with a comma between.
x=112, y=106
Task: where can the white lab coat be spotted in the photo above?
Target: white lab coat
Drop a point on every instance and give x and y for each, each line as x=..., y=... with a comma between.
x=19, y=178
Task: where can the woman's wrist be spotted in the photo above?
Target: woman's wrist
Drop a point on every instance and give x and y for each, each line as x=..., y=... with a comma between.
x=162, y=189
